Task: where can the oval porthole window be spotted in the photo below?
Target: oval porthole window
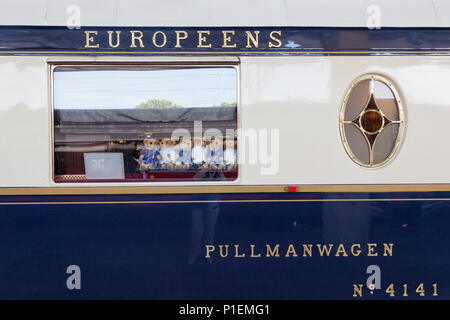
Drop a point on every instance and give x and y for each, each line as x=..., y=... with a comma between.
x=371, y=121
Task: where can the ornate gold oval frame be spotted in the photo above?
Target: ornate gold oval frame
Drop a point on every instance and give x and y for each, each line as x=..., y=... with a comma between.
x=400, y=122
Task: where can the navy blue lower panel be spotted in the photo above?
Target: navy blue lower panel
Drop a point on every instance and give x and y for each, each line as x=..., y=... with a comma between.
x=154, y=246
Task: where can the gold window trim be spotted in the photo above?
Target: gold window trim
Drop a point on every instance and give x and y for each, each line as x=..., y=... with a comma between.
x=343, y=122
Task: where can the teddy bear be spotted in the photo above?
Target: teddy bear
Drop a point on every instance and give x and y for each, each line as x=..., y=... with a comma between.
x=214, y=154
x=150, y=156
x=198, y=153
x=184, y=154
x=168, y=154
x=230, y=155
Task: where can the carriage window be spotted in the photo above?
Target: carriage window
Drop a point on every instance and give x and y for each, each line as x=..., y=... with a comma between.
x=143, y=124
x=371, y=121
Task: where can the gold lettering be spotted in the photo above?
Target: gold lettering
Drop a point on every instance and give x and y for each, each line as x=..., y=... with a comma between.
x=209, y=249
x=252, y=252
x=202, y=38
x=272, y=253
x=388, y=249
x=341, y=249
x=324, y=249
x=164, y=39
x=254, y=39
x=135, y=37
x=236, y=252
x=357, y=290
x=307, y=250
x=179, y=37
x=110, y=40
x=291, y=250
x=355, y=253
x=371, y=247
x=227, y=38
x=90, y=39
x=272, y=37
x=223, y=255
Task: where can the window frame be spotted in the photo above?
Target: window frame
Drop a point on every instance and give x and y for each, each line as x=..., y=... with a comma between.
x=52, y=65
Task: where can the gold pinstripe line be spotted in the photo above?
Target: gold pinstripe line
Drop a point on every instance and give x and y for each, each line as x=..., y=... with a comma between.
x=219, y=201
x=226, y=52
x=230, y=189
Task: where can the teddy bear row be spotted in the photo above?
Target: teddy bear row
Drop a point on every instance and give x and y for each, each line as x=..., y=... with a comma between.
x=169, y=154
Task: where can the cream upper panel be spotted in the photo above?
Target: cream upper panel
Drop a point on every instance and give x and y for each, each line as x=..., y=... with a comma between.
x=302, y=97
x=298, y=98
x=24, y=116
x=398, y=13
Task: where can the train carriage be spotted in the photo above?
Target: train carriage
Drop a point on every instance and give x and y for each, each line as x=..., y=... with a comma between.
x=223, y=159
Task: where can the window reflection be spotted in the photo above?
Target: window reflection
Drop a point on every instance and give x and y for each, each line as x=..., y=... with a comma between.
x=155, y=118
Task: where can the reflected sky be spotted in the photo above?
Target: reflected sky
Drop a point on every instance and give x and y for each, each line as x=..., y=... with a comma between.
x=106, y=89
